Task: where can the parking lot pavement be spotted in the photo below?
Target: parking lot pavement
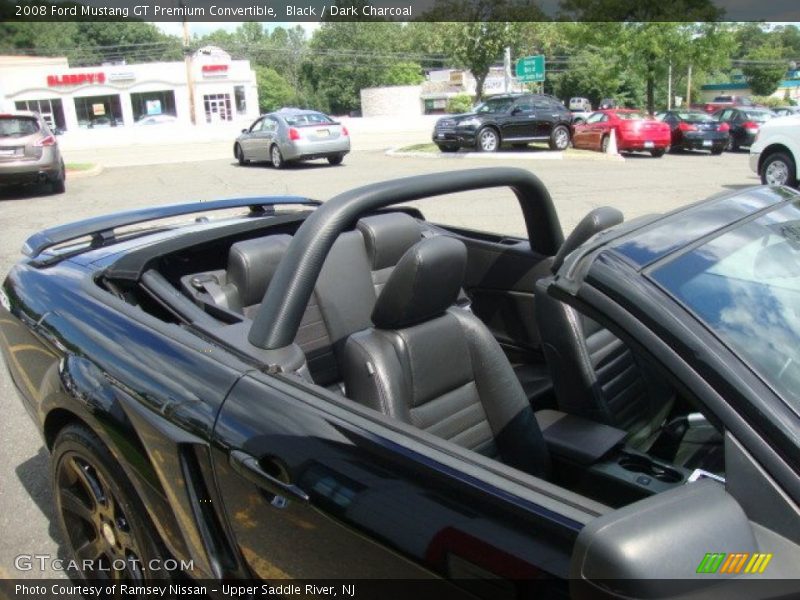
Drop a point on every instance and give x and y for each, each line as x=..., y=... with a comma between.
x=637, y=186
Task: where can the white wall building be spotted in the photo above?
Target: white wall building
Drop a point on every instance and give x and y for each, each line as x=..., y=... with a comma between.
x=120, y=95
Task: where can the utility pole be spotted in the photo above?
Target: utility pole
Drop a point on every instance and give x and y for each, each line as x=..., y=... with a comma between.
x=188, y=60
x=669, y=87
x=689, y=88
x=507, y=69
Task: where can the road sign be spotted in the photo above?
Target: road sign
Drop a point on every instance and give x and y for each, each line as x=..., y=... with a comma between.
x=530, y=68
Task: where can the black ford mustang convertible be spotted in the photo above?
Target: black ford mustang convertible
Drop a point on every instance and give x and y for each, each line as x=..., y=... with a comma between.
x=347, y=390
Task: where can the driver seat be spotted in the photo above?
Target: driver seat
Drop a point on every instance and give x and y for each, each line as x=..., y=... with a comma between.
x=437, y=367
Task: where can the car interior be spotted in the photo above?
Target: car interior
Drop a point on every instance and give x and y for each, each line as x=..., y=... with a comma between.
x=453, y=332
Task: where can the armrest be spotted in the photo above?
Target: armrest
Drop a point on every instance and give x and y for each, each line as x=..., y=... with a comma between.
x=576, y=438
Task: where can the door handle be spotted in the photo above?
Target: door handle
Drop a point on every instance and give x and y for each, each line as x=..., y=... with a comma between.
x=248, y=467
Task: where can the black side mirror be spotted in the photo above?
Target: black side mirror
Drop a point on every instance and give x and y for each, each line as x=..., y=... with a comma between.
x=58, y=131
x=516, y=110
x=245, y=130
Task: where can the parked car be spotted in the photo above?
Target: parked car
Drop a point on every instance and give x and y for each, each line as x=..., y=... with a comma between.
x=516, y=119
x=258, y=394
x=696, y=130
x=29, y=152
x=775, y=154
x=744, y=124
x=787, y=111
x=291, y=135
x=579, y=116
x=580, y=105
x=634, y=131
x=728, y=101
x=102, y=122
x=146, y=120
x=607, y=104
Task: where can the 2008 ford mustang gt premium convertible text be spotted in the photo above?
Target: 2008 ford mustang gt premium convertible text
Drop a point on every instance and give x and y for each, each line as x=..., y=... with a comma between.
x=347, y=390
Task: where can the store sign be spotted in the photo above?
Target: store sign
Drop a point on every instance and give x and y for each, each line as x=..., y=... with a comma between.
x=76, y=79
x=214, y=70
x=153, y=107
x=98, y=110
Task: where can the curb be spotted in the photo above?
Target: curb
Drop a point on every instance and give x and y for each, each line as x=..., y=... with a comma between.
x=95, y=170
x=545, y=155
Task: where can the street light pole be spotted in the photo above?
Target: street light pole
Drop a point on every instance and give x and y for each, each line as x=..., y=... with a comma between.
x=188, y=60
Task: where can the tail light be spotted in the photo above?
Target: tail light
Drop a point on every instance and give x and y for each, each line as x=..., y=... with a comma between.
x=48, y=140
x=723, y=127
x=344, y=131
x=709, y=107
x=687, y=127
x=750, y=127
x=294, y=134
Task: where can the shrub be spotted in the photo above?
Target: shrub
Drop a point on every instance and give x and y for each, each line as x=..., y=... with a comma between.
x=769, y=101
x=459, y=104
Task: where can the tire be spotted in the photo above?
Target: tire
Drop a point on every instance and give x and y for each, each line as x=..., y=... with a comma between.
x=657, y=152
x=717, y=151
x=59, y=186
x=732, y=145
x=239, y=154
x=276, y=158
x=487, y=140
x=447, y=148
x=336, y=160
x=604, y=144
x=779, y=169
x=559, y=138
x=100, y=516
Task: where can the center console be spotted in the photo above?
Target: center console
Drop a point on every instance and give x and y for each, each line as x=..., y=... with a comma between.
x=592, y=459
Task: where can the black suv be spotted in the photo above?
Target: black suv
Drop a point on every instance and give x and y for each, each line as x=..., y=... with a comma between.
x=514, y=118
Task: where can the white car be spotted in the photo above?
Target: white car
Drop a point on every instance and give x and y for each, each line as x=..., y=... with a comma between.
x=775, y=153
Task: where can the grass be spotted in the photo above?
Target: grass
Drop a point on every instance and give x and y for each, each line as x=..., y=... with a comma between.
x=80, y=166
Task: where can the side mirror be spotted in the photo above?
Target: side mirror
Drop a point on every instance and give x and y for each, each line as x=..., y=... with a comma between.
x=516, y=110
x=245, y=130
x=58, y=131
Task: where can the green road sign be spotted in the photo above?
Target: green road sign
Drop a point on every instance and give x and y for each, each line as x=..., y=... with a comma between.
x=530, y=68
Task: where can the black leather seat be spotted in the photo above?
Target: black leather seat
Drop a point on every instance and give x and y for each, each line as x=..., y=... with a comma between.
x=386, y=238
x=436, y=366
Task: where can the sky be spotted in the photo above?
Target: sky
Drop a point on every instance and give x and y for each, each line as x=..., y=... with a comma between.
x=206, y=28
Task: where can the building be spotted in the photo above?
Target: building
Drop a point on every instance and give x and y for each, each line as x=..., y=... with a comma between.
x=788, y=88
x=213, y=89
x=444, y=84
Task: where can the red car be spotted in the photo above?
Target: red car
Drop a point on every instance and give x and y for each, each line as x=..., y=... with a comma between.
x=635, y=131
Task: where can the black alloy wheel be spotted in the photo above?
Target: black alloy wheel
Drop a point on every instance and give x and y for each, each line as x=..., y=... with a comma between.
x=102, y=521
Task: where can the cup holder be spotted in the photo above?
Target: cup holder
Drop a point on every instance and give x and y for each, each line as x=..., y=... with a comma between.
x=642, y=464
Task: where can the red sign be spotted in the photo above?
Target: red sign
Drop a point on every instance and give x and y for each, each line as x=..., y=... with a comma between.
x=75, y=79
x=214, y=68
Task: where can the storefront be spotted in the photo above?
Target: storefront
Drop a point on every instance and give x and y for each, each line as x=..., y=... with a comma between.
x=213, y=89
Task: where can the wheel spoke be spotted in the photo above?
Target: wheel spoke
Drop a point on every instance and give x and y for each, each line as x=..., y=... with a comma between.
x=90, y=550
x=89, y=481
x=72, y=503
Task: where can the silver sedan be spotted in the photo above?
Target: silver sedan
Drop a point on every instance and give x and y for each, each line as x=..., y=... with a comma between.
x=291, y=134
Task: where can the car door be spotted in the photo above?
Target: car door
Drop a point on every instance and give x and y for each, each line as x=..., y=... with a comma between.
x=546, y=115
x=673, y=121
x=316, y=486
x=519, y=124
x=249, y=139
x=589, y=135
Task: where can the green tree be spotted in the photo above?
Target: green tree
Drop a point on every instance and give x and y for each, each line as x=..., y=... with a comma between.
x=403, y=73
x=274, y=91
x=765, y=68
x=598, y=73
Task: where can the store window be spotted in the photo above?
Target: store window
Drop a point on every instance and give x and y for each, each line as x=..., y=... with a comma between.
x=241, y=103
x=97, y=112
x=217, y=107
x=52, y=111
x=148, y=104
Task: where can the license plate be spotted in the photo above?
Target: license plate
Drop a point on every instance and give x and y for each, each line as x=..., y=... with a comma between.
x=323, y=132
x=706, y=142
x=648, y=144
x=439, y=135
x=7, y=151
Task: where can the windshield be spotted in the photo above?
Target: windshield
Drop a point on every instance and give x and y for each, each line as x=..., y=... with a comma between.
x=632, y=116
x=308, y=119
x=495, y=105
x=759, y=116
x=695, y=116
x=745, y=286
x=18, y=126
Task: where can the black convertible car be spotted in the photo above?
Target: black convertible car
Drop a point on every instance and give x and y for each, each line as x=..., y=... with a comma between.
x=347, y=390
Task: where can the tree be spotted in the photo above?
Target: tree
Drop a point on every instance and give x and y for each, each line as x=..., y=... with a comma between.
x=765, y=69
x=274, y=91
x=598, y=73
x=403, y=73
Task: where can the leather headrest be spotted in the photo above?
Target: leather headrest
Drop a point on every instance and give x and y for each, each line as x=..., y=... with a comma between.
x=423, y=285
x=387, y=237
x=252, y=264
x=596, y=221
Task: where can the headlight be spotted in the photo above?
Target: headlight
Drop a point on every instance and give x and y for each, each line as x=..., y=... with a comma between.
x=472, y=122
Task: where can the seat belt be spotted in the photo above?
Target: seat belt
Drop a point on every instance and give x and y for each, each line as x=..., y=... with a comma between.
x=210, y=285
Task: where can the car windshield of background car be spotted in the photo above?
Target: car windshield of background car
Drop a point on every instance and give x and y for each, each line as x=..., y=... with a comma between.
x=17, y=126
x=695, y=116
x=745, y=286
x=631, y=116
